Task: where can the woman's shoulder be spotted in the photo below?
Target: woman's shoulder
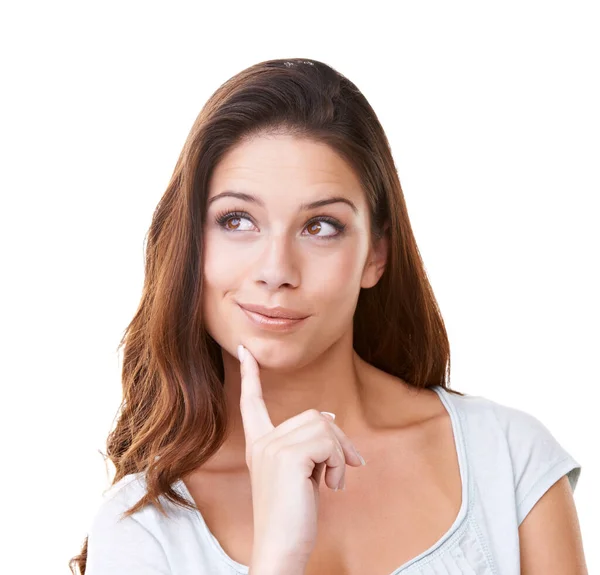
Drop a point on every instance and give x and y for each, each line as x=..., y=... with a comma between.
x=501, y=437
x=129, y=487
x=116, y=540
x=483, y=412
x=125, y=493
x=118, y=498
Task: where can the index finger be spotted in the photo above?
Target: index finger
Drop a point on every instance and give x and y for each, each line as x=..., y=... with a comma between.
x=255, y=417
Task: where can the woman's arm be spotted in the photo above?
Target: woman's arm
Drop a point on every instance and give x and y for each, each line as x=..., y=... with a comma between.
x=550, y=536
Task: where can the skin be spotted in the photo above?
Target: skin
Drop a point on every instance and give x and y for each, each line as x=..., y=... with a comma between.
x=277, y=256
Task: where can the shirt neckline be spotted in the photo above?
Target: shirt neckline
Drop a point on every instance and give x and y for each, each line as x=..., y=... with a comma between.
x=429, y=554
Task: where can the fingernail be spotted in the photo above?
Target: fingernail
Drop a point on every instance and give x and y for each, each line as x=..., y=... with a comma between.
x=342, y=484
x=362, y=461
x=241, y=352
x=331, y=415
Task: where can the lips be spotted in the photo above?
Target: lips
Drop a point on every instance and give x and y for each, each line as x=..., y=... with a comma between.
x=275, y=324
x=274, y=313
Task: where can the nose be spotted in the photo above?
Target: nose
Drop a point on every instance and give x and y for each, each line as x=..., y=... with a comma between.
x=276, y=264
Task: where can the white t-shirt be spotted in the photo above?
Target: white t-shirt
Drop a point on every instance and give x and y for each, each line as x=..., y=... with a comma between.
x=508, y=460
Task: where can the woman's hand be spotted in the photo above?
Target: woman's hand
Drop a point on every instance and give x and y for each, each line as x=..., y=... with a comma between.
x=286, y=463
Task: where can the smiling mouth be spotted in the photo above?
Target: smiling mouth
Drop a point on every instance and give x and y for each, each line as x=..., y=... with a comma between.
x=272, y=323
x=276, y=312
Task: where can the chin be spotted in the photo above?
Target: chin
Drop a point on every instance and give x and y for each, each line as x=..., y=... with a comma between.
x=277, y=355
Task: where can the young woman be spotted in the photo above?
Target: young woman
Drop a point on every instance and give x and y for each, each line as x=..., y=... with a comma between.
x=284, y=235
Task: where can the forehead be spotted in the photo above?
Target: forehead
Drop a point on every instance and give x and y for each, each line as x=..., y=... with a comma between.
x=273, y=159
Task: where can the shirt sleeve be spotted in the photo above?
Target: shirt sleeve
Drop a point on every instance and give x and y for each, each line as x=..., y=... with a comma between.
x=122, y=546
x=538, y=459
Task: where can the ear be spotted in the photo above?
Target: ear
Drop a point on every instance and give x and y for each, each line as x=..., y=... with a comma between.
x=376, y=260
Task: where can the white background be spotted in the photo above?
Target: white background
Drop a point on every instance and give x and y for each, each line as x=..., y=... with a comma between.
x=493, y=118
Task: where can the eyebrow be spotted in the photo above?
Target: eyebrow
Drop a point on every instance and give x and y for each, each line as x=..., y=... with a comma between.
x=305, y=206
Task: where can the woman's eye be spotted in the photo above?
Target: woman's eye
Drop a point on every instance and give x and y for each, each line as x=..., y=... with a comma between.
x=229, y=221
x=223, y=221
x=315, y=226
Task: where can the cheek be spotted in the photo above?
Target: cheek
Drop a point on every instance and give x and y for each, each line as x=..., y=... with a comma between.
x=223, y=266
x=335, y=279
x=223, y=273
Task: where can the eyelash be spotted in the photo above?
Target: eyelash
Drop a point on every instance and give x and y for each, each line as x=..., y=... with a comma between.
x=222, y=217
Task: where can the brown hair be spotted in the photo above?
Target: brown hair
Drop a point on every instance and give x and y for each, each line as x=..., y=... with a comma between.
x=172, y=376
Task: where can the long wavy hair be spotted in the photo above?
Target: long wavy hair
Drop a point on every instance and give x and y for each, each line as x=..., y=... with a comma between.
x=173, y=414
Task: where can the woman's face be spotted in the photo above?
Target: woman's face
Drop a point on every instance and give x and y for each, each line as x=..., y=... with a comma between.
x=279, y=252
